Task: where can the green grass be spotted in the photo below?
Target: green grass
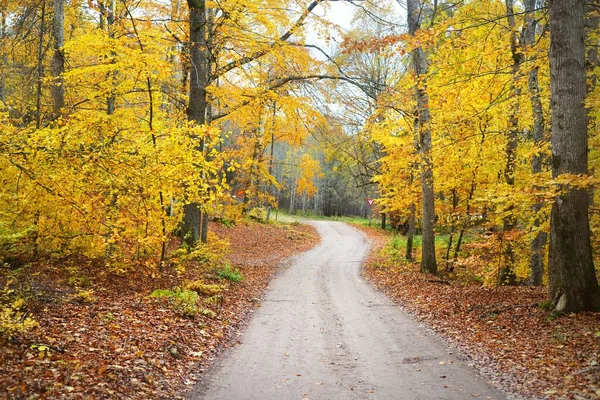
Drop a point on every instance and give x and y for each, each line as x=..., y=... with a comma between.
x=397, y=245
x=298, y=215
x=399, y=241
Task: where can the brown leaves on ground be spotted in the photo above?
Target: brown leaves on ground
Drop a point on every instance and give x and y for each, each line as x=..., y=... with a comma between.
x=120, y=343
x=503, y=330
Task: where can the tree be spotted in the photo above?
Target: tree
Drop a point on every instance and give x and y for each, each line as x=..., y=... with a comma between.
x=538, y=243
x=573, y=282
x=194, y=218
x=507, y=274
x=419, y=58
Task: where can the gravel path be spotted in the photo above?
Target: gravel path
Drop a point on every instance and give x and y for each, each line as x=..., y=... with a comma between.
x=324, y=333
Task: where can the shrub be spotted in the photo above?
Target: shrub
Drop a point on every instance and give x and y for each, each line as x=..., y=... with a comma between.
x=203, y=288
x=187, y=302
x=229, y=273
x=13, y=317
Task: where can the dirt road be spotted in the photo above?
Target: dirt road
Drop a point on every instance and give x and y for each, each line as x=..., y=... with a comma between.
x=324, y=333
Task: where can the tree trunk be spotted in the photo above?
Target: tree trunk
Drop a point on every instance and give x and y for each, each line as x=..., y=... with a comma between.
x=303, y=203
x=110, y=26
x=40, y=69
x=4, y=59
x=573, y=283
x=450, y=264
x=538, y=243
x=419, y=59
x=58, y=60
x=467, y=217
x=383, y=220
x=196, y=112
x=411, y=233
x=271, y=159
x=506, y=273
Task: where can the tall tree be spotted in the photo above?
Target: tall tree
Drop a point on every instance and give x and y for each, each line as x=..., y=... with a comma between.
x=573, y=282
x=4, y=59
x=40, y=68
x=419, y=59
x=110, y=24
x=196, y=112
x=507, y=274
x=536, y=261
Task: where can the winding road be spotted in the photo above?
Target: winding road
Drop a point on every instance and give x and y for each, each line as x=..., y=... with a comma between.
x=322, y=332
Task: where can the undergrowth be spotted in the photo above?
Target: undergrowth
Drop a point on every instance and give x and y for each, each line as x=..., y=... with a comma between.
x=229, y=273
x=14, y=318
x=186, y=302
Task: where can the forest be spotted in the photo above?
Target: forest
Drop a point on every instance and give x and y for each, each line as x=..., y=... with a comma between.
x=129, y=128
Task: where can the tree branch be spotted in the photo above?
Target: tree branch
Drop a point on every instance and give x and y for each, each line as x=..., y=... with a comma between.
x=283, y=38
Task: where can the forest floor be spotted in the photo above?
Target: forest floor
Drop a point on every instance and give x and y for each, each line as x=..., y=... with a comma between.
x=503, y=331
x=113, y=340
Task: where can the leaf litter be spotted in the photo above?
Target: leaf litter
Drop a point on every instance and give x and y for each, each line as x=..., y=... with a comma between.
x=121, y=343
x=502, y=331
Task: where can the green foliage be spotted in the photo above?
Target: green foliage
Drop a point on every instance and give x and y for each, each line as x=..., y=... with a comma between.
x=227, y=222
x=186, y=302
x=229, y=273
x=396, y=248
x=546, y=305
x=13, y=315
x=554, y=314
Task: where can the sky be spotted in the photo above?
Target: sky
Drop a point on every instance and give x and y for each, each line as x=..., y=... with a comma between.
x=340, y=13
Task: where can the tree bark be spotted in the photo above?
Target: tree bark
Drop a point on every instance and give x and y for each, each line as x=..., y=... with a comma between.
x=40, y=69
x=271, y=160
x=506, y=274
x=411, y=233
x=572, y=278
x=4, y=58
x=191, y=229
x=58, y=59
x=419, y=59
x=450, y=264
x=538, y=243
x=110, y=25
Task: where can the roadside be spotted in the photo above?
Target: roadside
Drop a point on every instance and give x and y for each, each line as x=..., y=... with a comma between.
x=116, y=341
x=503, y=331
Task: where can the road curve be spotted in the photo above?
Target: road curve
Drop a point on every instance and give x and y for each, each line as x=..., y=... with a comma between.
x=324, y=333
